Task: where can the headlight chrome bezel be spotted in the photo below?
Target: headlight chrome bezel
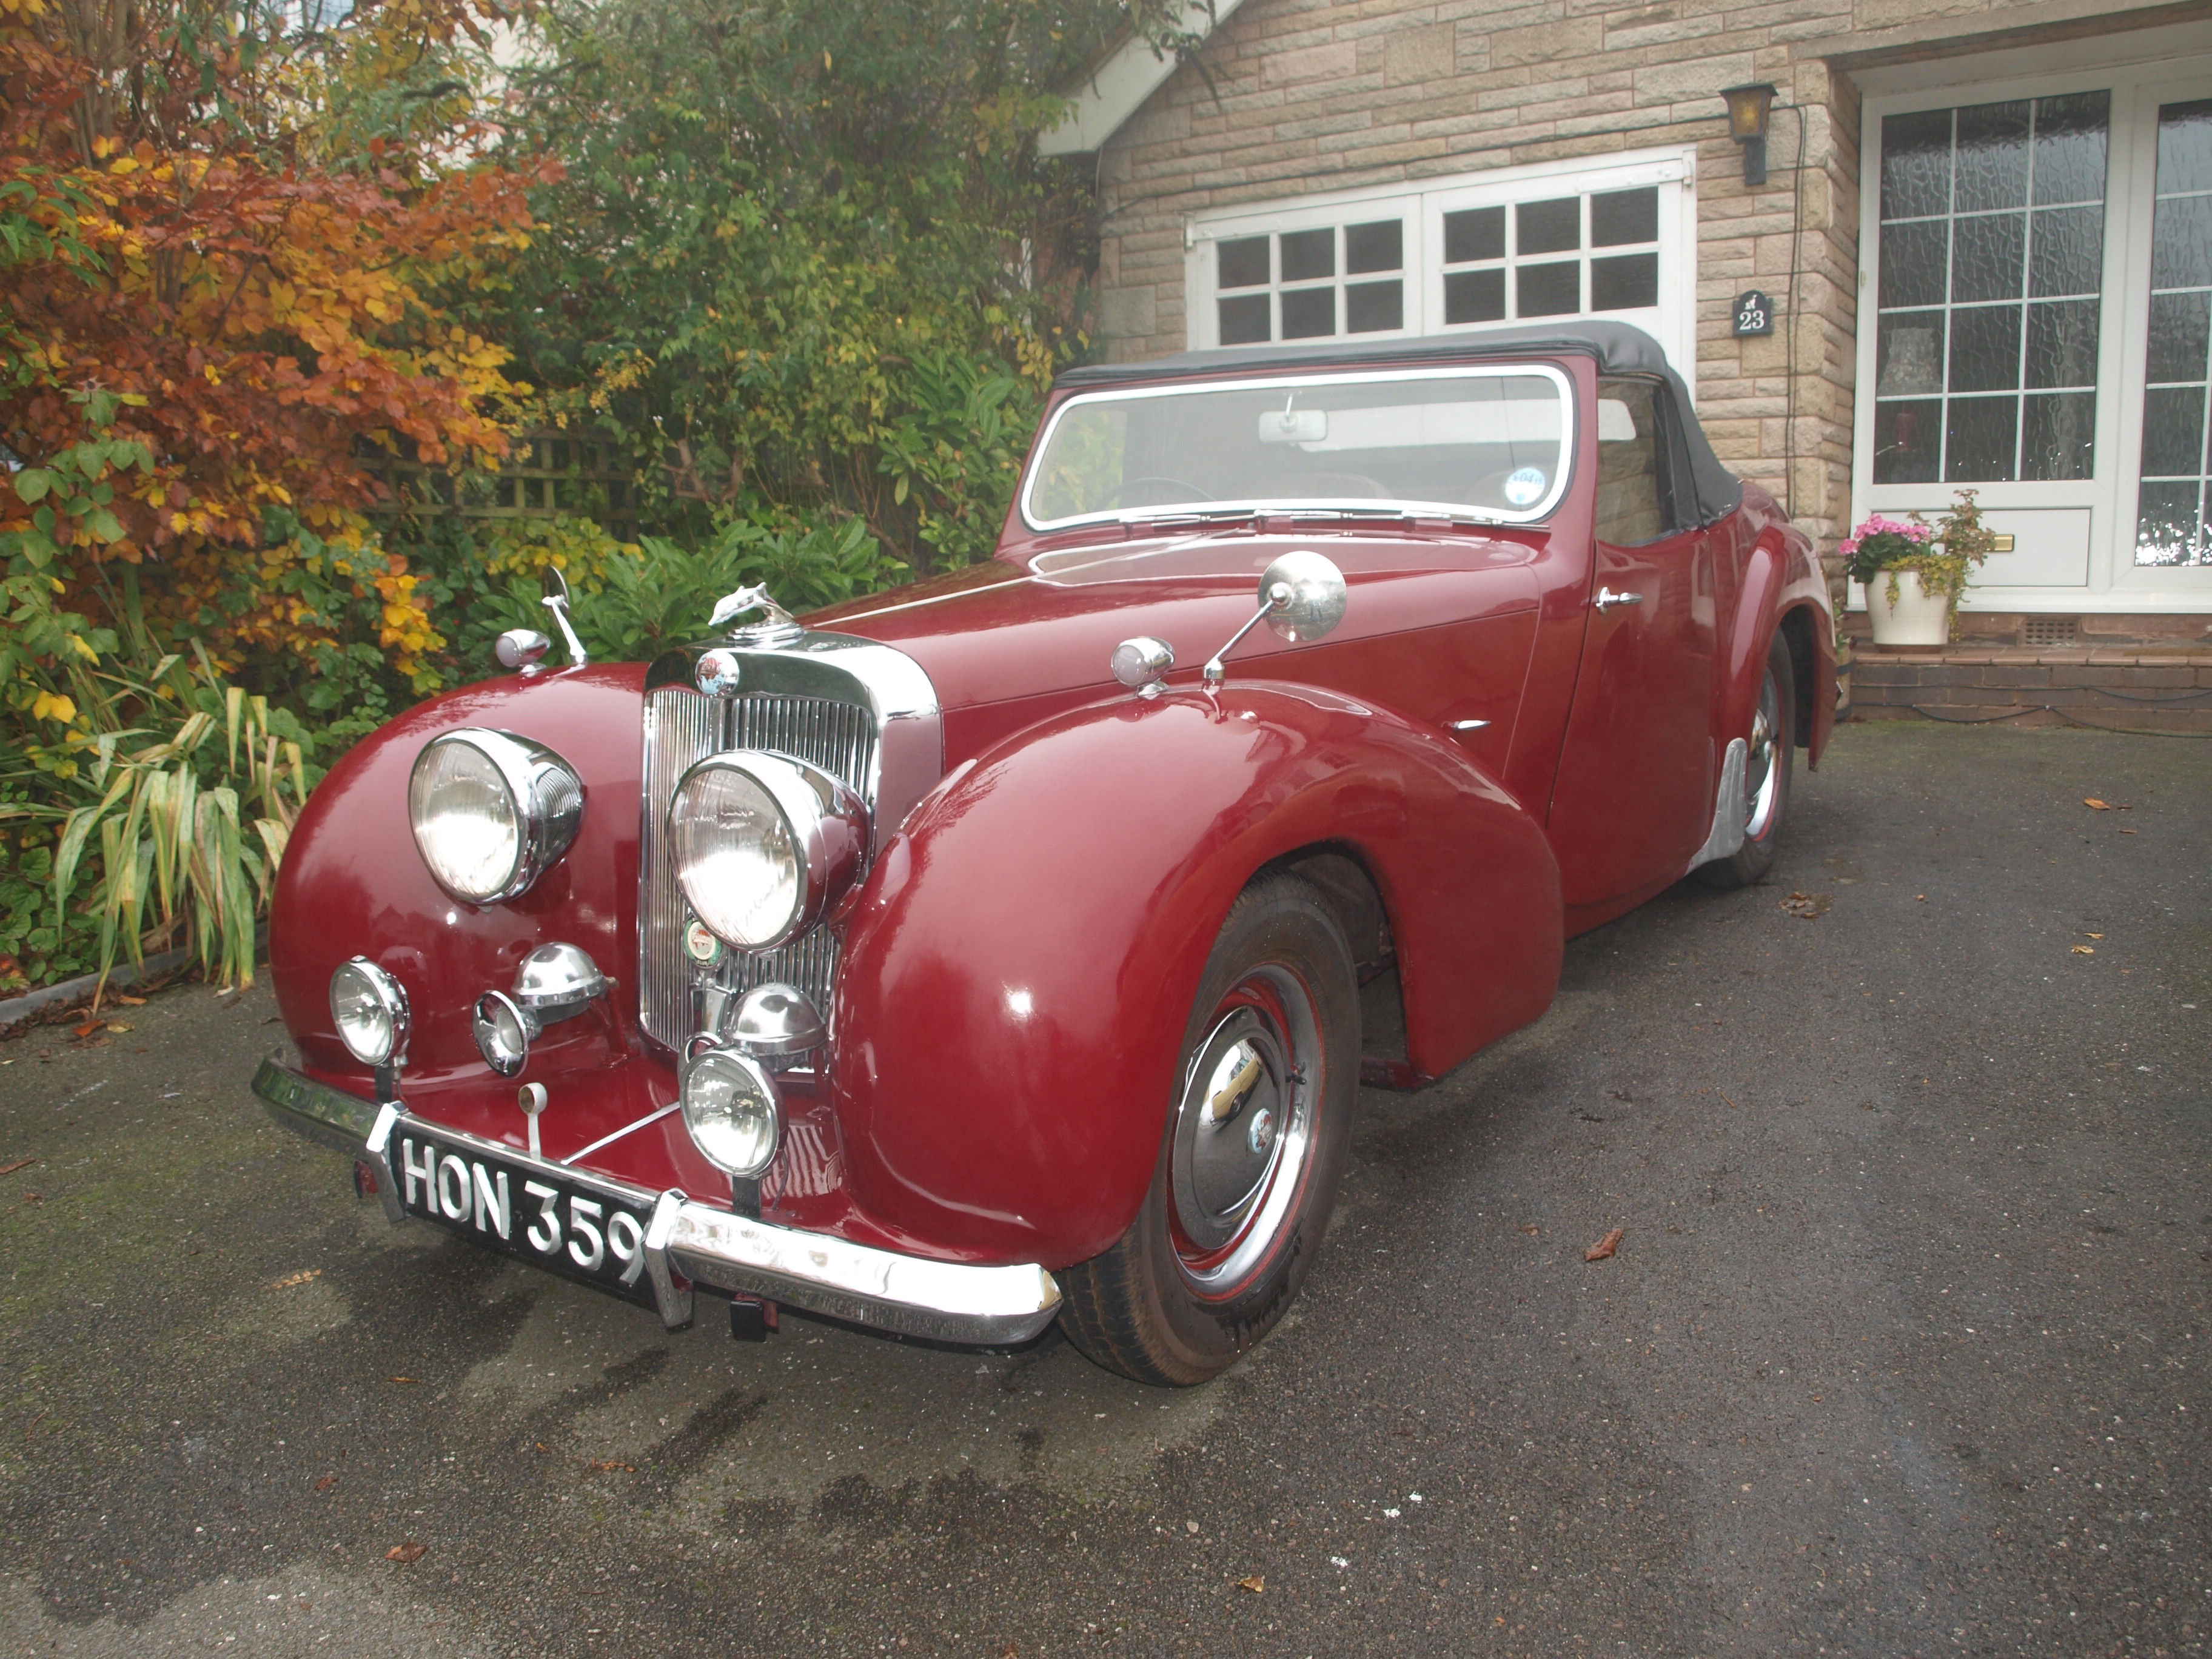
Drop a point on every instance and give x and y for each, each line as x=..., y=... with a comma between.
x=827, y=825
x=387, y=996
x=544, y=791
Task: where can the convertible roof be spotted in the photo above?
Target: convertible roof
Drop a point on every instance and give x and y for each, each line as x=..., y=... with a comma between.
x=1619, y=349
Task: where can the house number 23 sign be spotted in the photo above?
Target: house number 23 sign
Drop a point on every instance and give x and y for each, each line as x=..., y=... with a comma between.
x=1754, y=313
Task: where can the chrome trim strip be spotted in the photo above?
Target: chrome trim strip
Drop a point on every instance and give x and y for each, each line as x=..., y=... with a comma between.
x=626, y=1128
x=945, y=1301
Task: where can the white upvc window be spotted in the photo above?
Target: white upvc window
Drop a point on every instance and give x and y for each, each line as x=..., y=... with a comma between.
x=1514, y=245
x=2035, y=324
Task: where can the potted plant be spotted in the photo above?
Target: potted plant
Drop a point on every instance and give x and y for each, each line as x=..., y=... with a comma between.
x=1914, y=572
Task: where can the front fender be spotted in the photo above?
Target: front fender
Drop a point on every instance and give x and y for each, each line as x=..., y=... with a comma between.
x=1019, y=969
x=1781, y=577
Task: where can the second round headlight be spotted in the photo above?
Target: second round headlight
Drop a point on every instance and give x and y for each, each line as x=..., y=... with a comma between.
x=763, y=845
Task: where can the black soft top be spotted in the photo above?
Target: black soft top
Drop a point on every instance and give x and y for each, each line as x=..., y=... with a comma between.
x=1617, y=348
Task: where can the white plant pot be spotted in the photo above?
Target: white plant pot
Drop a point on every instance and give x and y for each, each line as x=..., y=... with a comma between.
x=1919, y=617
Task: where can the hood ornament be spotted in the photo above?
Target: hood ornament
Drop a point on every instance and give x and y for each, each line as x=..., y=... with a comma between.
x=777, y=625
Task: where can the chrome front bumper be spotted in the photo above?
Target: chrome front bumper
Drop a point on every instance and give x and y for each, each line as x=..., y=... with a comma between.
x=945, y=1301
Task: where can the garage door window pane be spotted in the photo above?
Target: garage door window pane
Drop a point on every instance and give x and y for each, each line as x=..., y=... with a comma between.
x=1624, y=283
x=1551, y=227
x=1374, y=307
x=1245, y=263
x=1244, y=320
x=1553, y=290
x=1308, y=313
x=1377, y=246
x=1474, y=296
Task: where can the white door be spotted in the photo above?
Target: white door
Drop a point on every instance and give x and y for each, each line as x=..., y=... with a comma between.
x=2034, y=256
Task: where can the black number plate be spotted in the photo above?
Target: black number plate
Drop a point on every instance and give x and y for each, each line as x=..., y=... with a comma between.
x=574, y=1227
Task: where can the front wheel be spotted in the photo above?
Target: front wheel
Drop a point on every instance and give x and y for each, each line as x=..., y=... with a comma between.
x=1253, y=1149
x=1766, y=775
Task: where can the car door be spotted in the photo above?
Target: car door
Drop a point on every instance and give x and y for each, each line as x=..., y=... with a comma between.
x=1634, y=794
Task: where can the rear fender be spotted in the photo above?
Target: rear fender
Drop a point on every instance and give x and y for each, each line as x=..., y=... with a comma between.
x=1020, y=967
x=1781, y=580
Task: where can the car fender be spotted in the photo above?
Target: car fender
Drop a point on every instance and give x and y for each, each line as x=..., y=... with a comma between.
x=1780, y=576
x=1020, y=967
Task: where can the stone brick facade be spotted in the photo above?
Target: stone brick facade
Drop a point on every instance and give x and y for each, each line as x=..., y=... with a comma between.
x=1307, y=95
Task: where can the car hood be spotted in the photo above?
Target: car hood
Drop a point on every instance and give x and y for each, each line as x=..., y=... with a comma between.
x=1001, y=632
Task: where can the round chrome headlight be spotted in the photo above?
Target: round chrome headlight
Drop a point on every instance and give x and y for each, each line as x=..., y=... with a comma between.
x=491, y=811
x=370, y=1011
x=764, y=844
x=730, y=1107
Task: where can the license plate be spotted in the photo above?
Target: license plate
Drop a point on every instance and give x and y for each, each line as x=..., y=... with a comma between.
x=569, y=1226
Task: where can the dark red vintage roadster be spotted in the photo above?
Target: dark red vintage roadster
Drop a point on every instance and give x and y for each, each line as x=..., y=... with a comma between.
x=990, y=952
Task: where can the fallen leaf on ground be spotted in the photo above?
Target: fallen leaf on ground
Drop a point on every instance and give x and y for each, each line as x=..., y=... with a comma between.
x=87, y=1028
x=399, y=1379
x=541, y=1446
x=129, y=1002
x=407, y=1553
x=2127, y=832
x=608, y=1466
x=326, y=1483
x=20, y=1163
x=1920, y=898
x=1532, y=1228
x=1605, y=1245
x=116, y=1025
x=299, y=1277
x=30, y=1198
x=1806, y=906
x=1010, y=1651
x=1255, y=1584
x=2094, y=804
x=2085, y=949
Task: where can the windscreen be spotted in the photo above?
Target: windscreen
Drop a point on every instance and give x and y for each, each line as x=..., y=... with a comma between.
x=1487, y=443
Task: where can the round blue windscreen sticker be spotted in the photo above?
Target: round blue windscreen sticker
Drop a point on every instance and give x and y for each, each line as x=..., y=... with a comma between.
x=1525, y=486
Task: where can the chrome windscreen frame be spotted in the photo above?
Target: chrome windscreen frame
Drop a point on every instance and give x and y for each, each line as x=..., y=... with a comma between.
x=1533, y=513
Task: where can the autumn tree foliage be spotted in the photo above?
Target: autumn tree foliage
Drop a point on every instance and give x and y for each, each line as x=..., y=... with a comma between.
x=228, y=240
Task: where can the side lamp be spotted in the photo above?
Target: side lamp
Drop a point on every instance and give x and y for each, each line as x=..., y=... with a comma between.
x=1747, y=108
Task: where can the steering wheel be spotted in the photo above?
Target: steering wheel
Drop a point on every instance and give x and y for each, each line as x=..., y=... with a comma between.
x=1193, y=493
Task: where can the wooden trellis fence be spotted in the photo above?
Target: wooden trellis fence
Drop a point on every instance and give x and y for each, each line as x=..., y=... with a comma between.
x=549, y=473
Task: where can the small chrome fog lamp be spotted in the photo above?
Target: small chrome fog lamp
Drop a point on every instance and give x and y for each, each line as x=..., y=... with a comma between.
x=777, y=1019
x=730, y=1106
x=1141, y=663
x=503, y=1031
x=370, y=1012
x=553, y=983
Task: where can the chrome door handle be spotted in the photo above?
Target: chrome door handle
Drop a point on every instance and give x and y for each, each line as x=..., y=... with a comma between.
x=1606, y=599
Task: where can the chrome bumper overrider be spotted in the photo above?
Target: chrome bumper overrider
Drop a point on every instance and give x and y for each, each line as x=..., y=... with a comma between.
x=942, y=1300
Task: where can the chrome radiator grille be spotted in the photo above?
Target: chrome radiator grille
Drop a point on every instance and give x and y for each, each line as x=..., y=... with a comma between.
x=682, y=728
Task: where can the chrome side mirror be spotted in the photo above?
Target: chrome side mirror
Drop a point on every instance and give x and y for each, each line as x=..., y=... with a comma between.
x=553, y=587
x=1302, y=598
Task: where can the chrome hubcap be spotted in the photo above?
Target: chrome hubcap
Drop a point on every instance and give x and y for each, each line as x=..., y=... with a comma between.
x=1242, y=1129
x=1762, y=780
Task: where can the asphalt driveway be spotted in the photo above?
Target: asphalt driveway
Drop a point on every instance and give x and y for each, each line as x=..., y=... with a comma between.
x=1903, y=1351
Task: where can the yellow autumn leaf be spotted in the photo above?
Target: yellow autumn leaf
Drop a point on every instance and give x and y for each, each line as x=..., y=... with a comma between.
x=50, y=706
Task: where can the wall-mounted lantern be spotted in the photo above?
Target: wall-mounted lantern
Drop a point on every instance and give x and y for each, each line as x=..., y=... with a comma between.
x=1746, y=112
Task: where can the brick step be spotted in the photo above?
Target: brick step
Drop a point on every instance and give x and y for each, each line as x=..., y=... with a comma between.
x=2150, y=690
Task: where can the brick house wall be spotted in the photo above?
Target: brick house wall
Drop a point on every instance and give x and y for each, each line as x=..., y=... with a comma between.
x=1308, y=96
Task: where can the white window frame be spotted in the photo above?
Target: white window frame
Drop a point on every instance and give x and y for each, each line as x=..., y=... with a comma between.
x=2114, y=582
x=1420, y=208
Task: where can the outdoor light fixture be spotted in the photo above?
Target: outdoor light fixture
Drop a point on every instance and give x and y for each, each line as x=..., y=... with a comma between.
x=1746, y=110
